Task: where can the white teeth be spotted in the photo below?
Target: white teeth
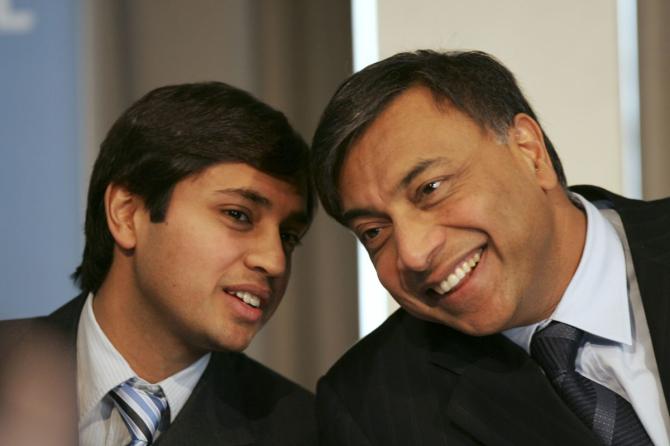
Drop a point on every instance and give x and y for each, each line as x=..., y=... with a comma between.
x=452, y=280
x=248, y=298
x=459, y=273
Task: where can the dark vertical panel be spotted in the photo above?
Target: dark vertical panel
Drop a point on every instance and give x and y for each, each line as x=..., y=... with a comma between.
x=654, y=54
x=304, y=50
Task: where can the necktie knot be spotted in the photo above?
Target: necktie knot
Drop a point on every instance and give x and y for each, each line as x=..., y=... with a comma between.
x=610, y=417
x=555, y=348
x=144, y=409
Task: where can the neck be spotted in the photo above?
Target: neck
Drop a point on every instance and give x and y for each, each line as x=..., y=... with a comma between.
x=571, y=227
x=152, y=350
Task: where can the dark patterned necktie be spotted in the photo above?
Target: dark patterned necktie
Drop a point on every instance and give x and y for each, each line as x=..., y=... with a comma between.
x=607, y=414
x=143, y=410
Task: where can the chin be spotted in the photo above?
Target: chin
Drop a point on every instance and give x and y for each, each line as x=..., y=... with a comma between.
x=480, y=328
x=237, y=343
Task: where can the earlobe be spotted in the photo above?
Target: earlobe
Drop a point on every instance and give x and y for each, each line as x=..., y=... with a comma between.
x=120, y=208
x=528, y=138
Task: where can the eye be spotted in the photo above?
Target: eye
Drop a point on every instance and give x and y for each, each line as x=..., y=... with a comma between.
x=373, y=238
x=370, y=234
x=430, y=187
x=237, y=215
x=290, y=240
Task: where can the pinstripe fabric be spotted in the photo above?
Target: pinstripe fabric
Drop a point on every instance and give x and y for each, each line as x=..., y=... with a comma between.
x=609, y=416
x=144, y=411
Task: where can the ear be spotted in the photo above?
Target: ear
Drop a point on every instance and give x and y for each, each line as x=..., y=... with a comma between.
x=121, y=207
x=526, y=136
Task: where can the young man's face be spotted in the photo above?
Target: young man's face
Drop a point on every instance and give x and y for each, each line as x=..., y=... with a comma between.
x=459, y=226
x=213, y=272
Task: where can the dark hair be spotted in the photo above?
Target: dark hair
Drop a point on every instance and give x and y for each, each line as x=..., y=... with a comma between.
x=178, y=131
x=473, y=82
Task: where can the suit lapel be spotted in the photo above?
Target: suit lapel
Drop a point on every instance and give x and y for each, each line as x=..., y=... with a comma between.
x=213, y=414
x=502, y=397
x=654, y=283
x=647, y=228
x=66, y=319
x=648, y=234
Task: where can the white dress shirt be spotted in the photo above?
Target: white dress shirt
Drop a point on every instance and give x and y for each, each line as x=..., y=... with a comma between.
x=603, y=300
x=100, y=368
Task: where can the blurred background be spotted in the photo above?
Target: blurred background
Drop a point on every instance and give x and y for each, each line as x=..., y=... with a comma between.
x=596, y=73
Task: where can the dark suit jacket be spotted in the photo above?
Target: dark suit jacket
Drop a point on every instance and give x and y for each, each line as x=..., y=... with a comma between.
x=412, y=382
x=237, y=401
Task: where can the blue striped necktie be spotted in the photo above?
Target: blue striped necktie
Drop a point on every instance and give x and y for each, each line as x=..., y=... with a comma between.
x=610, y=417
x=143, y=408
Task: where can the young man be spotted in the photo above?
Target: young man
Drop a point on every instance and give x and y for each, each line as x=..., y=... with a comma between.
x=197, y=199
x=531, y=314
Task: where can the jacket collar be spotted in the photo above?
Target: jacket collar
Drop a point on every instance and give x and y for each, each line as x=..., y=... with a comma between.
x=647, y=227
x=500, y=388
x=66, y=318
x=213, y=413
x=499, y=392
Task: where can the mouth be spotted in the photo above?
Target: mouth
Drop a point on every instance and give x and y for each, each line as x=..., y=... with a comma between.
x=460, y=272
x=248, y=298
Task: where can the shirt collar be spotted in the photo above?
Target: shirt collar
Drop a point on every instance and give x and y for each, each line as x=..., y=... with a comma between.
x=100, y=368
x=596, y=299
x=178, y=387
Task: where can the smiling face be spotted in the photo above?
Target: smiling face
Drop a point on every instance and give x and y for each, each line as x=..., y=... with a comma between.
x=214, y=271
x=462, y=229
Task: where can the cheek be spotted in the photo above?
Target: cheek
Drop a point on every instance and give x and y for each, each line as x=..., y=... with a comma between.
x=206, y=248
x=386, y=272
x=176, y=260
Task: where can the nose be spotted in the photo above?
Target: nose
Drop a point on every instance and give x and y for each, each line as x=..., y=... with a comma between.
x=417, y=241
x=266, y=254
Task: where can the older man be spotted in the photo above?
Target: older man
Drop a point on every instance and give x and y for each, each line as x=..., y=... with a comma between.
x=531, y=313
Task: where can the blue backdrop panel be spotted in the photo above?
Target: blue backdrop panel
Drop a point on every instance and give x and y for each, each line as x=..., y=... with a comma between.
x=41, y=219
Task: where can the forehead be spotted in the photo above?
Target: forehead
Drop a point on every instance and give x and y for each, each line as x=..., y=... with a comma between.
x=240, y=176
x=412, y=129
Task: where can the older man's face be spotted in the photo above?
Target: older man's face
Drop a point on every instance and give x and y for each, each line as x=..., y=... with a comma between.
x=459, y=226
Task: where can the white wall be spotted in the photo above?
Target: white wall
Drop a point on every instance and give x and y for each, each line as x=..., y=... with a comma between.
x=564, y=55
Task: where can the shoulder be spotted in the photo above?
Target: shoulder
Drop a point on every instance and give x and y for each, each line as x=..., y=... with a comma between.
x=267, y=384
x=282, y=410
x=407, y=356
x=16, y=328
x=598, y=195
x=21, y=340
x=14, y=331
x=62, y=323
x=31, y=333
x=400, y=337
x=646, y=223
x=397, y=356
x=388, y=387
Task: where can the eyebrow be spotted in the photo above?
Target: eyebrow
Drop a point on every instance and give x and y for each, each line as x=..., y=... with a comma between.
x=248, y=194
x=418, y=169
x=353, y=214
